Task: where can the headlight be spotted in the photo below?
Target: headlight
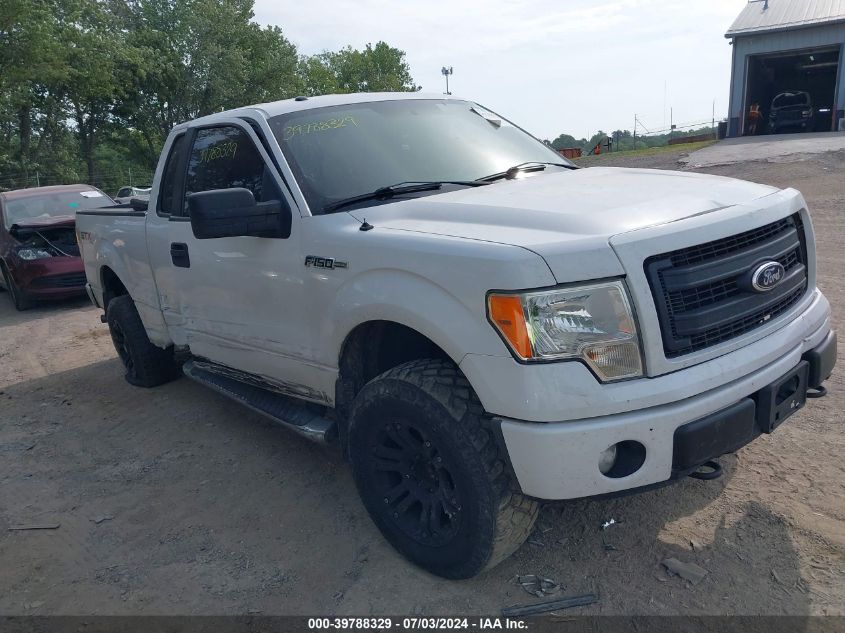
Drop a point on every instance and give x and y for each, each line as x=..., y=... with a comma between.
x=806, y=113
x=593, y=323
x=33, y=253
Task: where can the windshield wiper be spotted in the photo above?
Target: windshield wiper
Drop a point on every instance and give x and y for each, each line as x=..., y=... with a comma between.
x=523, y=168
x=384, y=193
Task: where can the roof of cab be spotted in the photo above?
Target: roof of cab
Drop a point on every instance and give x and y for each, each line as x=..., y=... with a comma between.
x=296, y=104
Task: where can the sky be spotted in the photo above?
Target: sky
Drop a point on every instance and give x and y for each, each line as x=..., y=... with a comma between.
x=551, y=66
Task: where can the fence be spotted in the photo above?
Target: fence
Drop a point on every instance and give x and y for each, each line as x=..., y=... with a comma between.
x=109, y=180
x=700, y=128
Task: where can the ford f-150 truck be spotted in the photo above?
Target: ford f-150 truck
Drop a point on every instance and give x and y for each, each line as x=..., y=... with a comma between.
x=476, y=322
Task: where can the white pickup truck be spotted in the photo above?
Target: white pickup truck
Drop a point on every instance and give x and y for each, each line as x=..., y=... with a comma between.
x=479, y=324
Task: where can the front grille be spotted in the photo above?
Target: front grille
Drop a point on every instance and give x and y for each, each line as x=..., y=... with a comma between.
x=70, y=280
x=727, y=245
x=703, y=293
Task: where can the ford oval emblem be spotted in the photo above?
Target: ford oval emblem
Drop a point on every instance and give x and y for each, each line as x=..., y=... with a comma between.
x=767, y=275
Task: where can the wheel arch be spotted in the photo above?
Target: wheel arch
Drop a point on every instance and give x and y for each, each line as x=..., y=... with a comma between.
x=111, y=284
x=372, y=348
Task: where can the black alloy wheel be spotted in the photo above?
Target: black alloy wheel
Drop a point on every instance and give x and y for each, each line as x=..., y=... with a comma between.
x=416, y=483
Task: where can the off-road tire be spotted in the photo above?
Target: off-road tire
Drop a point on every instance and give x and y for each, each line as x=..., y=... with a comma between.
x=492, y=518
x=146, y=364
x=19, y=299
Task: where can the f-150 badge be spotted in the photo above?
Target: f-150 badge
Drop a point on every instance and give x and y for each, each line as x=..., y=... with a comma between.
x=324, y=262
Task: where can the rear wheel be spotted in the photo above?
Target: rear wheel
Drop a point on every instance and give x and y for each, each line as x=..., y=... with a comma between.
x=431, y=474
x=19, y=299
x=146, y=364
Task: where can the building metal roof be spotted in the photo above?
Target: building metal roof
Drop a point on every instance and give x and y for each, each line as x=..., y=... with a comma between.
x=761, y=16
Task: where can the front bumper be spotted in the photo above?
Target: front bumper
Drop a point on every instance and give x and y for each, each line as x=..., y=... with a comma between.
x=561, y=460
x=50, y=278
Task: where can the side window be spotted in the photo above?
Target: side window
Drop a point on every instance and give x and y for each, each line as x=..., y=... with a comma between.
x=225, y=157
x=168, y=200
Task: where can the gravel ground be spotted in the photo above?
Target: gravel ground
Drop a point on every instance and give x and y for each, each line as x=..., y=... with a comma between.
x=177, y=501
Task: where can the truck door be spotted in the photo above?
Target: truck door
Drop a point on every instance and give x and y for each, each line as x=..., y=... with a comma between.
x=236, y=301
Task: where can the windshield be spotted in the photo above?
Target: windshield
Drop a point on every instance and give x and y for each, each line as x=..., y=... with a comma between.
x=52, y=205
x=791, y=99
x=342, y=151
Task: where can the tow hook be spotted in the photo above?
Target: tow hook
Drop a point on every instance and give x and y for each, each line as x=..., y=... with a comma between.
x=708, y=470
x=817, y=392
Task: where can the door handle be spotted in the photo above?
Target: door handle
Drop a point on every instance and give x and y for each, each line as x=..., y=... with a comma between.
x=179, y=255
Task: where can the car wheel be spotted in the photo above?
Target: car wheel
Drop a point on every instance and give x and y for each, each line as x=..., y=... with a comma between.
x=431, y=474
x=146, y=365
x=18, y=297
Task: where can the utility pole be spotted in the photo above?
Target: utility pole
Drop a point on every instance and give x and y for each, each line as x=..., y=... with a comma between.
x=37, y=179
x=714, y=115
x=635, y=132
x=130, y=176
x=446, y=72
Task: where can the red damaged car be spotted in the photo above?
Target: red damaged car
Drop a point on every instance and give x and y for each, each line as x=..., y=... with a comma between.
x=39, y=256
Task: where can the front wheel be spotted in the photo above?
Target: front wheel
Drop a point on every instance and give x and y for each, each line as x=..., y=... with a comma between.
x=146, y=364
x=431, y=474
x=19, y=299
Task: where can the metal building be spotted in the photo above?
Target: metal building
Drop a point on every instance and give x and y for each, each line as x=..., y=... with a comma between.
x=793, y=47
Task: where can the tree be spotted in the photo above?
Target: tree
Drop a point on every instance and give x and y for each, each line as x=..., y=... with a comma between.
x=94, y=86
x=379, y=68
x=566, y=140
x=31, y=63
x=202, y=56
x=100, y=70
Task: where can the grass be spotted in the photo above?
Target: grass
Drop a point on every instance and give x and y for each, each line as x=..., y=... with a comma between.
x=684, y=148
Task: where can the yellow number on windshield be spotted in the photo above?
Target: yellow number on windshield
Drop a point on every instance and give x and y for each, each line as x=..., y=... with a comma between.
x=318, y=126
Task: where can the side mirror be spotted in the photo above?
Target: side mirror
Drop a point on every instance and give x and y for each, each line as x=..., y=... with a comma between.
x=234, y=212
x=139, y=204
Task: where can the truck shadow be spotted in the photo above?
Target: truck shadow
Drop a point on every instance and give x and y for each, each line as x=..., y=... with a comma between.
x=615, y=547
x=215, y=510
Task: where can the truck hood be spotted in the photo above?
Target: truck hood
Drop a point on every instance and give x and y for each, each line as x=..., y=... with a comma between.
x=568, y=217
x=28, y=226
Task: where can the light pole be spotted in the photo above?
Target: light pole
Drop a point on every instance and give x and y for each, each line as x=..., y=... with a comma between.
x=446, y=72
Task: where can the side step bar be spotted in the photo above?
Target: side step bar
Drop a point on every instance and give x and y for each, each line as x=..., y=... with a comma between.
x=287, y=411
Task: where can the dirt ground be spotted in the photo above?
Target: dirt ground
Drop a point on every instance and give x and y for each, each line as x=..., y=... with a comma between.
x=177, y=501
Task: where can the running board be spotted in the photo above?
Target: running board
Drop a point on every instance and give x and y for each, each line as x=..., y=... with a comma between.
x=289, y=412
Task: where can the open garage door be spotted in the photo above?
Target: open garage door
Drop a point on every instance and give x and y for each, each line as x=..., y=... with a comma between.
x=811, y=71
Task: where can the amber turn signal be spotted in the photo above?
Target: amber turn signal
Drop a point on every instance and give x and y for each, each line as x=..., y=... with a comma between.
x=507, y=315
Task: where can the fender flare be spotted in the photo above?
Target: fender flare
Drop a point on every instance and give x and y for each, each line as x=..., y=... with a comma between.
x=413, y=301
